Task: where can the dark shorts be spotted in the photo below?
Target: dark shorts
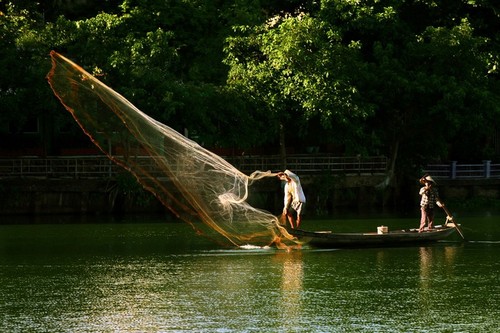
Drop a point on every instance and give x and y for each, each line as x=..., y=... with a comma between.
x=298, y=207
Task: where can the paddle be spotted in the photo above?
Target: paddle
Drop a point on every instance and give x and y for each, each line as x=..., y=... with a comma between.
x=450, y=218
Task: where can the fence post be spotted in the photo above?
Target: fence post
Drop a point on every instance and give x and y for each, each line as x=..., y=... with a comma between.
x=487, y=168
x=453, y=170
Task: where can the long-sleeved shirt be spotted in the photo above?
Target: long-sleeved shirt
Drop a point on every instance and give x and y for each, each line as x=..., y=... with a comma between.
x=429, y=197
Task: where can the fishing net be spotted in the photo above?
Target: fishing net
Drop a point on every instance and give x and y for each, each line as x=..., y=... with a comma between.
x=197, y=185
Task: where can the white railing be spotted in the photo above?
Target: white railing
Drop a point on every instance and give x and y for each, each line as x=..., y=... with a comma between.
x=102, y=167
x=312, y=164
x=58, y=167
x=454, y=170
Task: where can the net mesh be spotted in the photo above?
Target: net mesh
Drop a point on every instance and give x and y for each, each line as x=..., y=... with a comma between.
x=197, y=185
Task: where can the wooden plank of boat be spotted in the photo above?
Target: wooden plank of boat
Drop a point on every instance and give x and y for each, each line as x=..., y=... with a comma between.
x=372, y=239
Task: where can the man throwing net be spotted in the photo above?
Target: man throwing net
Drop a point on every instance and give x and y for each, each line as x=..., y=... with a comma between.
x=295, y=199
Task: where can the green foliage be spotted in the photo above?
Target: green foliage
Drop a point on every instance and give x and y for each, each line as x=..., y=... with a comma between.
x=23, y=65
x=297, y=68
x=366, y=75
x=165, y=58
x=430, y=83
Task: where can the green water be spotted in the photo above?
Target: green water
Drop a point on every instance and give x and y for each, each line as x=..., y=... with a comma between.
x=139, y=275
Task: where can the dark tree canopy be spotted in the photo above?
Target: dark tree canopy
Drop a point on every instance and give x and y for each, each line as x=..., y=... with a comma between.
x=417, y=81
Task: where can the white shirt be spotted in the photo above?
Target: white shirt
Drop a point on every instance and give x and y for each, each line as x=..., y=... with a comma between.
x=293, y=190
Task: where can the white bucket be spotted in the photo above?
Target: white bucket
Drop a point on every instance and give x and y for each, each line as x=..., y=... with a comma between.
x=382, y=229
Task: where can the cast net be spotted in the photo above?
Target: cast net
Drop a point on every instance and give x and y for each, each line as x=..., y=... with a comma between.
x=197, y=185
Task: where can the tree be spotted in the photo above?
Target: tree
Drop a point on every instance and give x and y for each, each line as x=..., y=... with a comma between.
x=164, y=57
x=427, y=72
x=373, y=76
x=25, y=101
x=297, y=69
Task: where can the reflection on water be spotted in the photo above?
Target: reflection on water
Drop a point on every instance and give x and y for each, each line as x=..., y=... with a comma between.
x=291, y=289
x=435, y=266
x=161, y=278
x=425, y=290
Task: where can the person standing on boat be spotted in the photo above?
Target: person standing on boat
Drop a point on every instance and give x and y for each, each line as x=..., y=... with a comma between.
x=430, y=198
x=295, y=198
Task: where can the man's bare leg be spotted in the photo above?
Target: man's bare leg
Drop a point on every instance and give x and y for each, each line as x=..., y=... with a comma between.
x=298, y=221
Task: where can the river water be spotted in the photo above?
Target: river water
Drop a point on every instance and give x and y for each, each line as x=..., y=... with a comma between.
x=143, y=275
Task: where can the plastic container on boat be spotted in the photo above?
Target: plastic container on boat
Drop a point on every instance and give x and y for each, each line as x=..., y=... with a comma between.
x=382, y=229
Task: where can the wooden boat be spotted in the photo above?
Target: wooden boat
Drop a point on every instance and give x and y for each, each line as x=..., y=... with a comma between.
x=331, y=239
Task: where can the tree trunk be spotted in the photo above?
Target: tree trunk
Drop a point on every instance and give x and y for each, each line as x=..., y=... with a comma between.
x=282, y=146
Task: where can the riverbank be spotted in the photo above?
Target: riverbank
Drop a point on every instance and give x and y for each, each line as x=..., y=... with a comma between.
x=73, y=196
x=327, y=195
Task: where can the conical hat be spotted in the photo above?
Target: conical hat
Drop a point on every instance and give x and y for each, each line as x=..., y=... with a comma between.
x=429, y=178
